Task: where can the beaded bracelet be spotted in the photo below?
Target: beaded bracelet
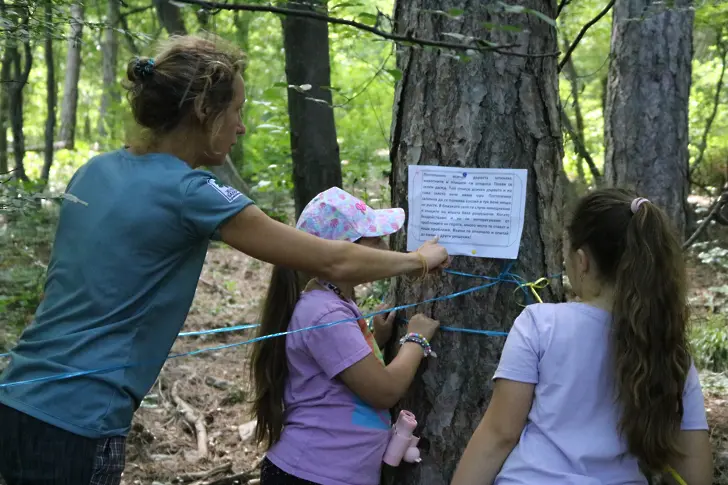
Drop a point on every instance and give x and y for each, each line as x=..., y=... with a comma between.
x=421, y=341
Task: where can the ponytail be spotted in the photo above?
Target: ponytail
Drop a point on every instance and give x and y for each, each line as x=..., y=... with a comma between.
x=269, y=365
x=649, y=342
x=636, y=249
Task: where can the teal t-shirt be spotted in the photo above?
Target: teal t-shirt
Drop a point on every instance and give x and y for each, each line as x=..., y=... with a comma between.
x=127, y=256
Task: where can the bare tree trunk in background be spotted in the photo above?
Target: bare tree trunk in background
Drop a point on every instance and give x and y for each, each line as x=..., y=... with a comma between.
x=314, y=149
x=646, y=117
x=69, y=102
x=50, y=125
x=19, y=72
x=242, y=34
x=4, y=94
x=495, y=111
x=171, y=19
x=572, y=77
x=110, y=50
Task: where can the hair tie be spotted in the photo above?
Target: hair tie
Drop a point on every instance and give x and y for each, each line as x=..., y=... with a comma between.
x=636, y=203
x=144, y=69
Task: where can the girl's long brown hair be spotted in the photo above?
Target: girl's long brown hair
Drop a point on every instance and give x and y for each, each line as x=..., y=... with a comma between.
x=269, y=365
x=641, y=256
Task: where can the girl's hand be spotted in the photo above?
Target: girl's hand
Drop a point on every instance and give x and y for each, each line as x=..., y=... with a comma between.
x=435, y=255
x=423, y=325
x=383, y=325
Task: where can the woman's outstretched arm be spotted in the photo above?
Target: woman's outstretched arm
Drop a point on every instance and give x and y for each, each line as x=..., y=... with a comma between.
x=252, y=232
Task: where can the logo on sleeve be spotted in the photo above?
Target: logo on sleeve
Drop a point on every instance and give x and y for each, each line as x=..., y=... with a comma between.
x=229, y=193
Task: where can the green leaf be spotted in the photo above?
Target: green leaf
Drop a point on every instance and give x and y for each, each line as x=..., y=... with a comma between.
x=280, y=84
x=346, y=4
x=395, y=73
x=368, y=18
x=455, y=12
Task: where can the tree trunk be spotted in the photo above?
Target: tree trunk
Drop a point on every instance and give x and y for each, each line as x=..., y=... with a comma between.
x=69, y=102
x=495, y=111
x=573, y=78
x=171, y=18
x=109, y=49
x=646, y=118
x=50, y=125
x=20, y=70
x=4, y=95
x=242, y=35
x=314, y=149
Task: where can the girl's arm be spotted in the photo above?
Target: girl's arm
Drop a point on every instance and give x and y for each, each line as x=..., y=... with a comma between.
x=254, y=233
x=497, y=434
x=695, y=467
x=382, y=387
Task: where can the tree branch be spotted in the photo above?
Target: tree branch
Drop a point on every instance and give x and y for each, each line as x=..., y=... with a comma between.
x=716, y=101
x=478, y=44
x=714, y=209
x=137, y=10
x=583, y=30
x=562, y=4
x=580, y=148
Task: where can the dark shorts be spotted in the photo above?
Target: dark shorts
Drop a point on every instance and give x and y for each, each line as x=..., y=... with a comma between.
x=272, y=475
x=36, y=453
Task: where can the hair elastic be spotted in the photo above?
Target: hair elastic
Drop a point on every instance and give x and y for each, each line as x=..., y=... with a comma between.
x=144, y=68
x=636, y=203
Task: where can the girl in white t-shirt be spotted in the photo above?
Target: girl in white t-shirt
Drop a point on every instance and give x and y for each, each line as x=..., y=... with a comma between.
x=596, y=392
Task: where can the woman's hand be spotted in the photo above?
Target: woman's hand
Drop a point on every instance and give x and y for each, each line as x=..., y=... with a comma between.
x=435, y=255
x=383, y=325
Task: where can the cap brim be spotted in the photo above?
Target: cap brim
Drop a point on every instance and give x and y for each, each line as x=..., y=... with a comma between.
x=386, y=222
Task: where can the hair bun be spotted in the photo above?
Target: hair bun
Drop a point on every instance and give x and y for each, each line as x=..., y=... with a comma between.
x=140, y=69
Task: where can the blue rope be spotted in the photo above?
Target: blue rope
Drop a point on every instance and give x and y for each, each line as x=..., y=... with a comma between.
x=505, y=276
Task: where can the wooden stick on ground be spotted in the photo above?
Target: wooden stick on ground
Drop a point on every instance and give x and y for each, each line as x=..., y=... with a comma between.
x=714, y=209
x=191, y=477
x=193, y=418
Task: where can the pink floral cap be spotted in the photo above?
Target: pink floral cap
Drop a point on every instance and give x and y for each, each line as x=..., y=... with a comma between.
x=339, y=216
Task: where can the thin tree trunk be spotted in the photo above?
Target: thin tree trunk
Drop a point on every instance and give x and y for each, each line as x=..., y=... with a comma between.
x=495, y=111
x=69, y=102
x=20, y=71
x=4, y=95
x=648, y=91
x=170, y=17
x=572, y=77
x=109, y=49
x=50, y=125
x=314, y=149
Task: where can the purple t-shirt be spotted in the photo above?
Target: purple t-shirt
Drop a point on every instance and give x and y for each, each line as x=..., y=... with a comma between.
x=571, y=437
x=330, y=436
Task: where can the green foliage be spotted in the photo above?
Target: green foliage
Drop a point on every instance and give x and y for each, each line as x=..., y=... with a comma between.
x=709, y=341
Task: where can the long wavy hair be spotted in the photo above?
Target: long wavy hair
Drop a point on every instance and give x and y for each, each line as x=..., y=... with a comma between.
x=269, y=365
x=641, y=256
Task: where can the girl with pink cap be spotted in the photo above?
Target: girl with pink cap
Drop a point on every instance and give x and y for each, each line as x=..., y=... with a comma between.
x=322, y=396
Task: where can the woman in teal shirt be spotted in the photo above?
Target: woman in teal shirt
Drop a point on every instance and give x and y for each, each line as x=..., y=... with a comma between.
x=125, y=264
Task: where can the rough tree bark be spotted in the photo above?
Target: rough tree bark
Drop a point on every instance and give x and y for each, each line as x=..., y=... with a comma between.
x=69, y=102
x=495, y=111
x=171, y=19
x=646, y=117
x=50, y=125
x=314, y=149
x=110, y=50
